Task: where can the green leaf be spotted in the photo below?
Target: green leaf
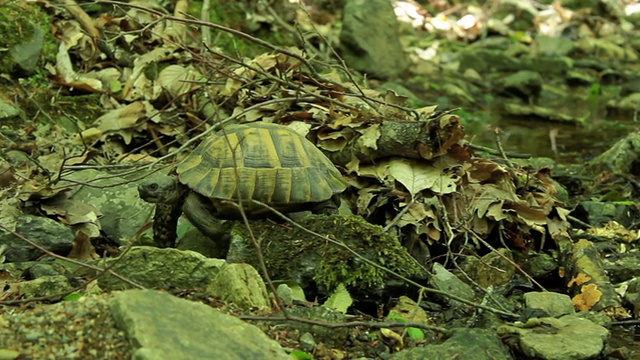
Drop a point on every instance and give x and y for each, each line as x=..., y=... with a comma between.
x=340, y=300
x=415, y=333
x=73, y=297
x=300, y=355
x=396, y=317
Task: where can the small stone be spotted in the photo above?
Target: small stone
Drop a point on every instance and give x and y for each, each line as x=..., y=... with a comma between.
x=33, y=336
x=307, y=342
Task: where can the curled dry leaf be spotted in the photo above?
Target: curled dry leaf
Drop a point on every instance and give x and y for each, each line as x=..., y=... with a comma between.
x=124, y=121
x=588, y=298
x=82, y=248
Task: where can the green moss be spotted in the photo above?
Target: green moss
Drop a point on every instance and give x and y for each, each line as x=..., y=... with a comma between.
x=289, y=251
x=233, y=15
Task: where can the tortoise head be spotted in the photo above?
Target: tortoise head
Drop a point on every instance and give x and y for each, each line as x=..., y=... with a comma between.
x=163, y=190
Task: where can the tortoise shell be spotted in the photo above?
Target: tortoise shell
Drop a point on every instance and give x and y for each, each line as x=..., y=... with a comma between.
x=266, y=162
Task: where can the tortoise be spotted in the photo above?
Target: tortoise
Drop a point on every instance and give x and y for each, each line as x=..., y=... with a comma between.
x=269, y=163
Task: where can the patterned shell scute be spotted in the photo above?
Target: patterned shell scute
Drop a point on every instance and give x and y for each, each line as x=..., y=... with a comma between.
x=261, y=161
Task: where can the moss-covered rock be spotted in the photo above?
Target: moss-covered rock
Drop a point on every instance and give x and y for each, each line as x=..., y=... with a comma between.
x=293, y=254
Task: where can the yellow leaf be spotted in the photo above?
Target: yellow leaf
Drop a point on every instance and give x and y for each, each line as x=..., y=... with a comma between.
x=588, y=298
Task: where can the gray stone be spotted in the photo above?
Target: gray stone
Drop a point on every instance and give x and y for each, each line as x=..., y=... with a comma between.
x=546, y=65
x=307, y=342
x=553, y=45
x=45, y=232
x=44, y=286
x=446, y=281
x=190, y=238
x=554, y=304
x=162, y=326
x=285, y=294
x=476, y=344
x=597, y=213
x=158, y=268
x=240, y=284
x=122, y=211
x=369, y=38
x=538, y=265
x=483, y=60
x=523, y=84
x=567, y=338
x=493, y=269
x=27, y=53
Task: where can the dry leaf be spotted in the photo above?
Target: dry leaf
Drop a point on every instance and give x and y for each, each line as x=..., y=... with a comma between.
x=82, y=248
x=589, y=296
x=417, y=176
x=579, y=280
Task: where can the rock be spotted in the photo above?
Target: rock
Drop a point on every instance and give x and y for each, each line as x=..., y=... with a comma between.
x=525, y=85
x=606, y=49
x=122, y=211
x=285, y=294
x=598, y=213
x=78, y=329
x=539, y=338
x=369, y=38
x=546, y=65
x=554, y=304
x=307, y=342
x=580, y=77
x=291, y=254
x=493, y=269
x=484, y=60
x=42, y=269
x=45, y=232
x=444, y=280
x=621, y=266
x=240, y=284
x=632, y=295
x=158, y=268
x=537, y=265
x=409, y=310
x=162, y=326
x=619, y=159
x=27, y=53
x=553, y=45
x=44, y=286
x=476, y=344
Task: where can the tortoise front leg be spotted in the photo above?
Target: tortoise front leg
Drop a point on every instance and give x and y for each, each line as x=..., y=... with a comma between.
x=202, y=214
x=165, y=224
